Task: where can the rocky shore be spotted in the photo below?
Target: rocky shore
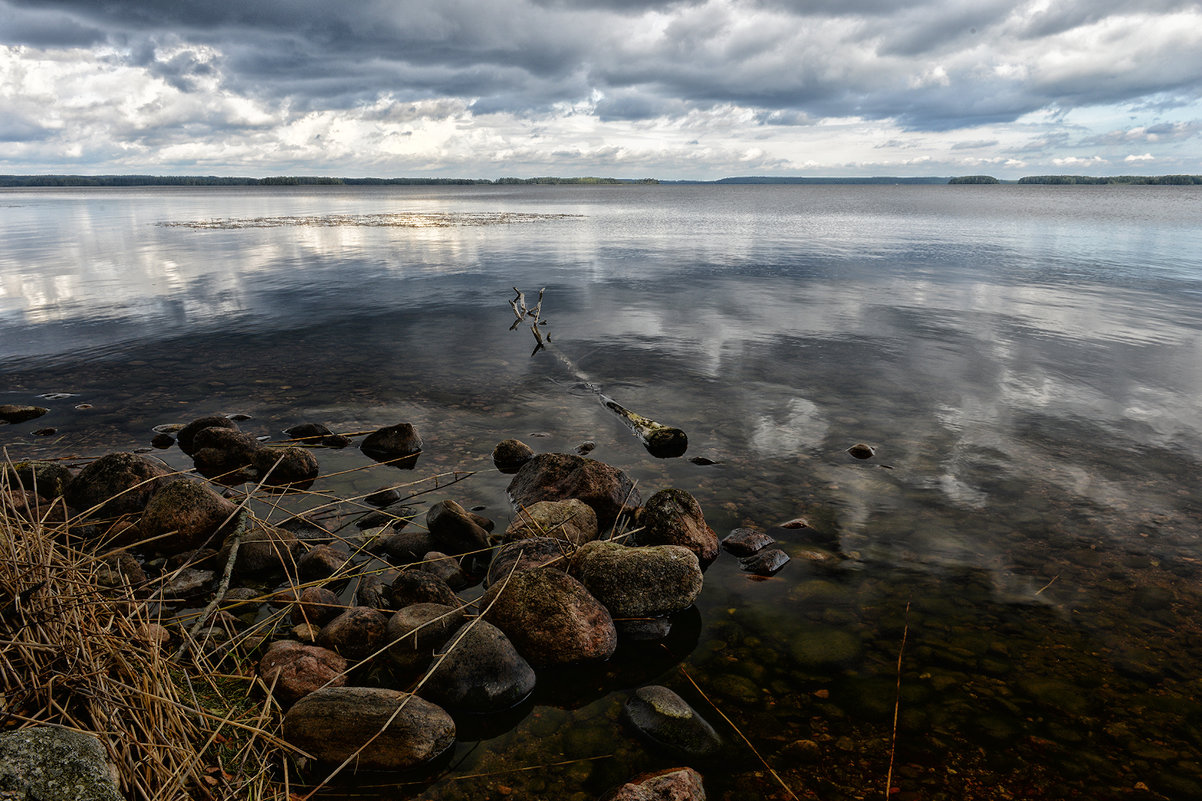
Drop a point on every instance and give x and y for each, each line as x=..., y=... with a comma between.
x=380, y=645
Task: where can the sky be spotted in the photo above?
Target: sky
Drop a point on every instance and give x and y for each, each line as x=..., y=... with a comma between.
x=688, y=89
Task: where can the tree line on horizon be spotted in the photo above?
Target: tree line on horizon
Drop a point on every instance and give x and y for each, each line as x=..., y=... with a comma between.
x=1148, y=180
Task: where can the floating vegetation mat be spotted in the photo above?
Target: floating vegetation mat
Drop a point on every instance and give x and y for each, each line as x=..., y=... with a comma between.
x=392, y=220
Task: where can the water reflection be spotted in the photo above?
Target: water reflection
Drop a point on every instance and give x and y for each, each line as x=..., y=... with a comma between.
x=1026, y=362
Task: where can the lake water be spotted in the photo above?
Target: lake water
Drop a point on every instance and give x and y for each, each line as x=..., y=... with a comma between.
x=1027, y=362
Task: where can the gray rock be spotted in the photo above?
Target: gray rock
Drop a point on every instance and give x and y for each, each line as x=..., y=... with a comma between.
x=667, y=720
x=559, y=476
x=335, y=722
x=674, y=784
x=551, y=618
x=415, y=632
x=523, y=555
x=225, y=454
x=397, y=445
x=48, y=763
x=374, y=590
x=650, y=581
x=764, y=563
x=264, y=550
x=572, y=520
x=482, y=673
x=48, y=479
x=447, y=568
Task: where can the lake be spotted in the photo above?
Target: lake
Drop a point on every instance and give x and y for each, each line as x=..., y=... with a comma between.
x=1026, y=362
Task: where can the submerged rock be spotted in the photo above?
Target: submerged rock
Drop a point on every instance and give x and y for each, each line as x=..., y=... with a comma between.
x=674, y=784
x=560, y=476
x=483, y=673
x=572, y=520
x=116, y=484
x=673, y=517
x=333, y=723
x=667, y=721
x=647, y=581
x=551, y=618
x=296, y=669
x=767, y=562
x=13, y=413
x=862, y=451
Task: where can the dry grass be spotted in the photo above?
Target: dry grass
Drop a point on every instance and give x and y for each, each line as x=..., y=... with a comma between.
x=76, y=653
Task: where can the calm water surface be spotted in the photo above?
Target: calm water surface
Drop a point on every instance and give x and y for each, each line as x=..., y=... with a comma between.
x=1027, y=362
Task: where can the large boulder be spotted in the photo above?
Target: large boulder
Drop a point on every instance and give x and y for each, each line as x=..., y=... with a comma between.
x=674, y=784
x=334, y=723
x=184, y=515
x=673, y=517
x=49, y=763
x=551, y=618
x=294, y=670
x=647, y=581
x=482, y=673
x=455, y=530
x=397, y=445
x=559, y=476
x=116, y=484
x=572, y=520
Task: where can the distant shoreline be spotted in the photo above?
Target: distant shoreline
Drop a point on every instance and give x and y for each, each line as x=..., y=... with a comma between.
x=22, y=181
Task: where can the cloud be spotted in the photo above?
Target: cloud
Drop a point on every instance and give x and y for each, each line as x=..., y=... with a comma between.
x=1144, y=157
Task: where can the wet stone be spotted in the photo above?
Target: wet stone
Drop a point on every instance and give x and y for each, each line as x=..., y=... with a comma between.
x=746, y=541
x=483, y=674
x=357, y=633
x=16, y=413
x=668, y=722
x=186, y=436
x=295, y=669
x=417, y=586
x=509, y=455
x=675, y=784
x=764, y=563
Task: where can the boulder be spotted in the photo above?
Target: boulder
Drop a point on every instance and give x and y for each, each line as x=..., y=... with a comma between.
x=551, y=618
x=448, y=569
x=523, y=555
x=286, y=468
x=374, y=590
x=116, y=484
x=357, y=633
x=321, y=562
x=333, y=723
x=483, y=673
x=674, y=784
x=649, y=581
x=296, y=669
x=453, y=529
x=398, y=445
x=184, y=515
x=186, y=436
x=417, y=631
x=405, y=547
x=510, y=454
x=572, y=520
x=673, y=517
x=668, y=722
x=418, y=586
x=49, y=763
x=559, y=476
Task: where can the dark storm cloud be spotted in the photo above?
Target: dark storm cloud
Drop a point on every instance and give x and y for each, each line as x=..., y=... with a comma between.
x=930, y=64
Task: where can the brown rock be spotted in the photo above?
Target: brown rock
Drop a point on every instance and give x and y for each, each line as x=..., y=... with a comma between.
x=551, y=618
x=13, y=413
x=415, y=632
x=263, y=550
x=333, y=723
x=674, y=784
x=649, y=581
x=510, y=454
x=454, y=530
x=317, y=606
x=357, y=633
x=297, y=670
x=673, y=517
x=186, y=436
x=116, y=484
x=287, y=468
x=559, y=476
x=398, y=445
x=184, y=515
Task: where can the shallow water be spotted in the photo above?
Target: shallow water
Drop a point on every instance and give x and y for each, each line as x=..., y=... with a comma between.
x=1026, y=361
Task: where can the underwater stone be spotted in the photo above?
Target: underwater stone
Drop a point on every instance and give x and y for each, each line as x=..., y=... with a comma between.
x=667, y=720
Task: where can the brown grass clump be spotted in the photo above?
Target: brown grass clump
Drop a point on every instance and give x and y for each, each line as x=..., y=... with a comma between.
x=94, y=658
